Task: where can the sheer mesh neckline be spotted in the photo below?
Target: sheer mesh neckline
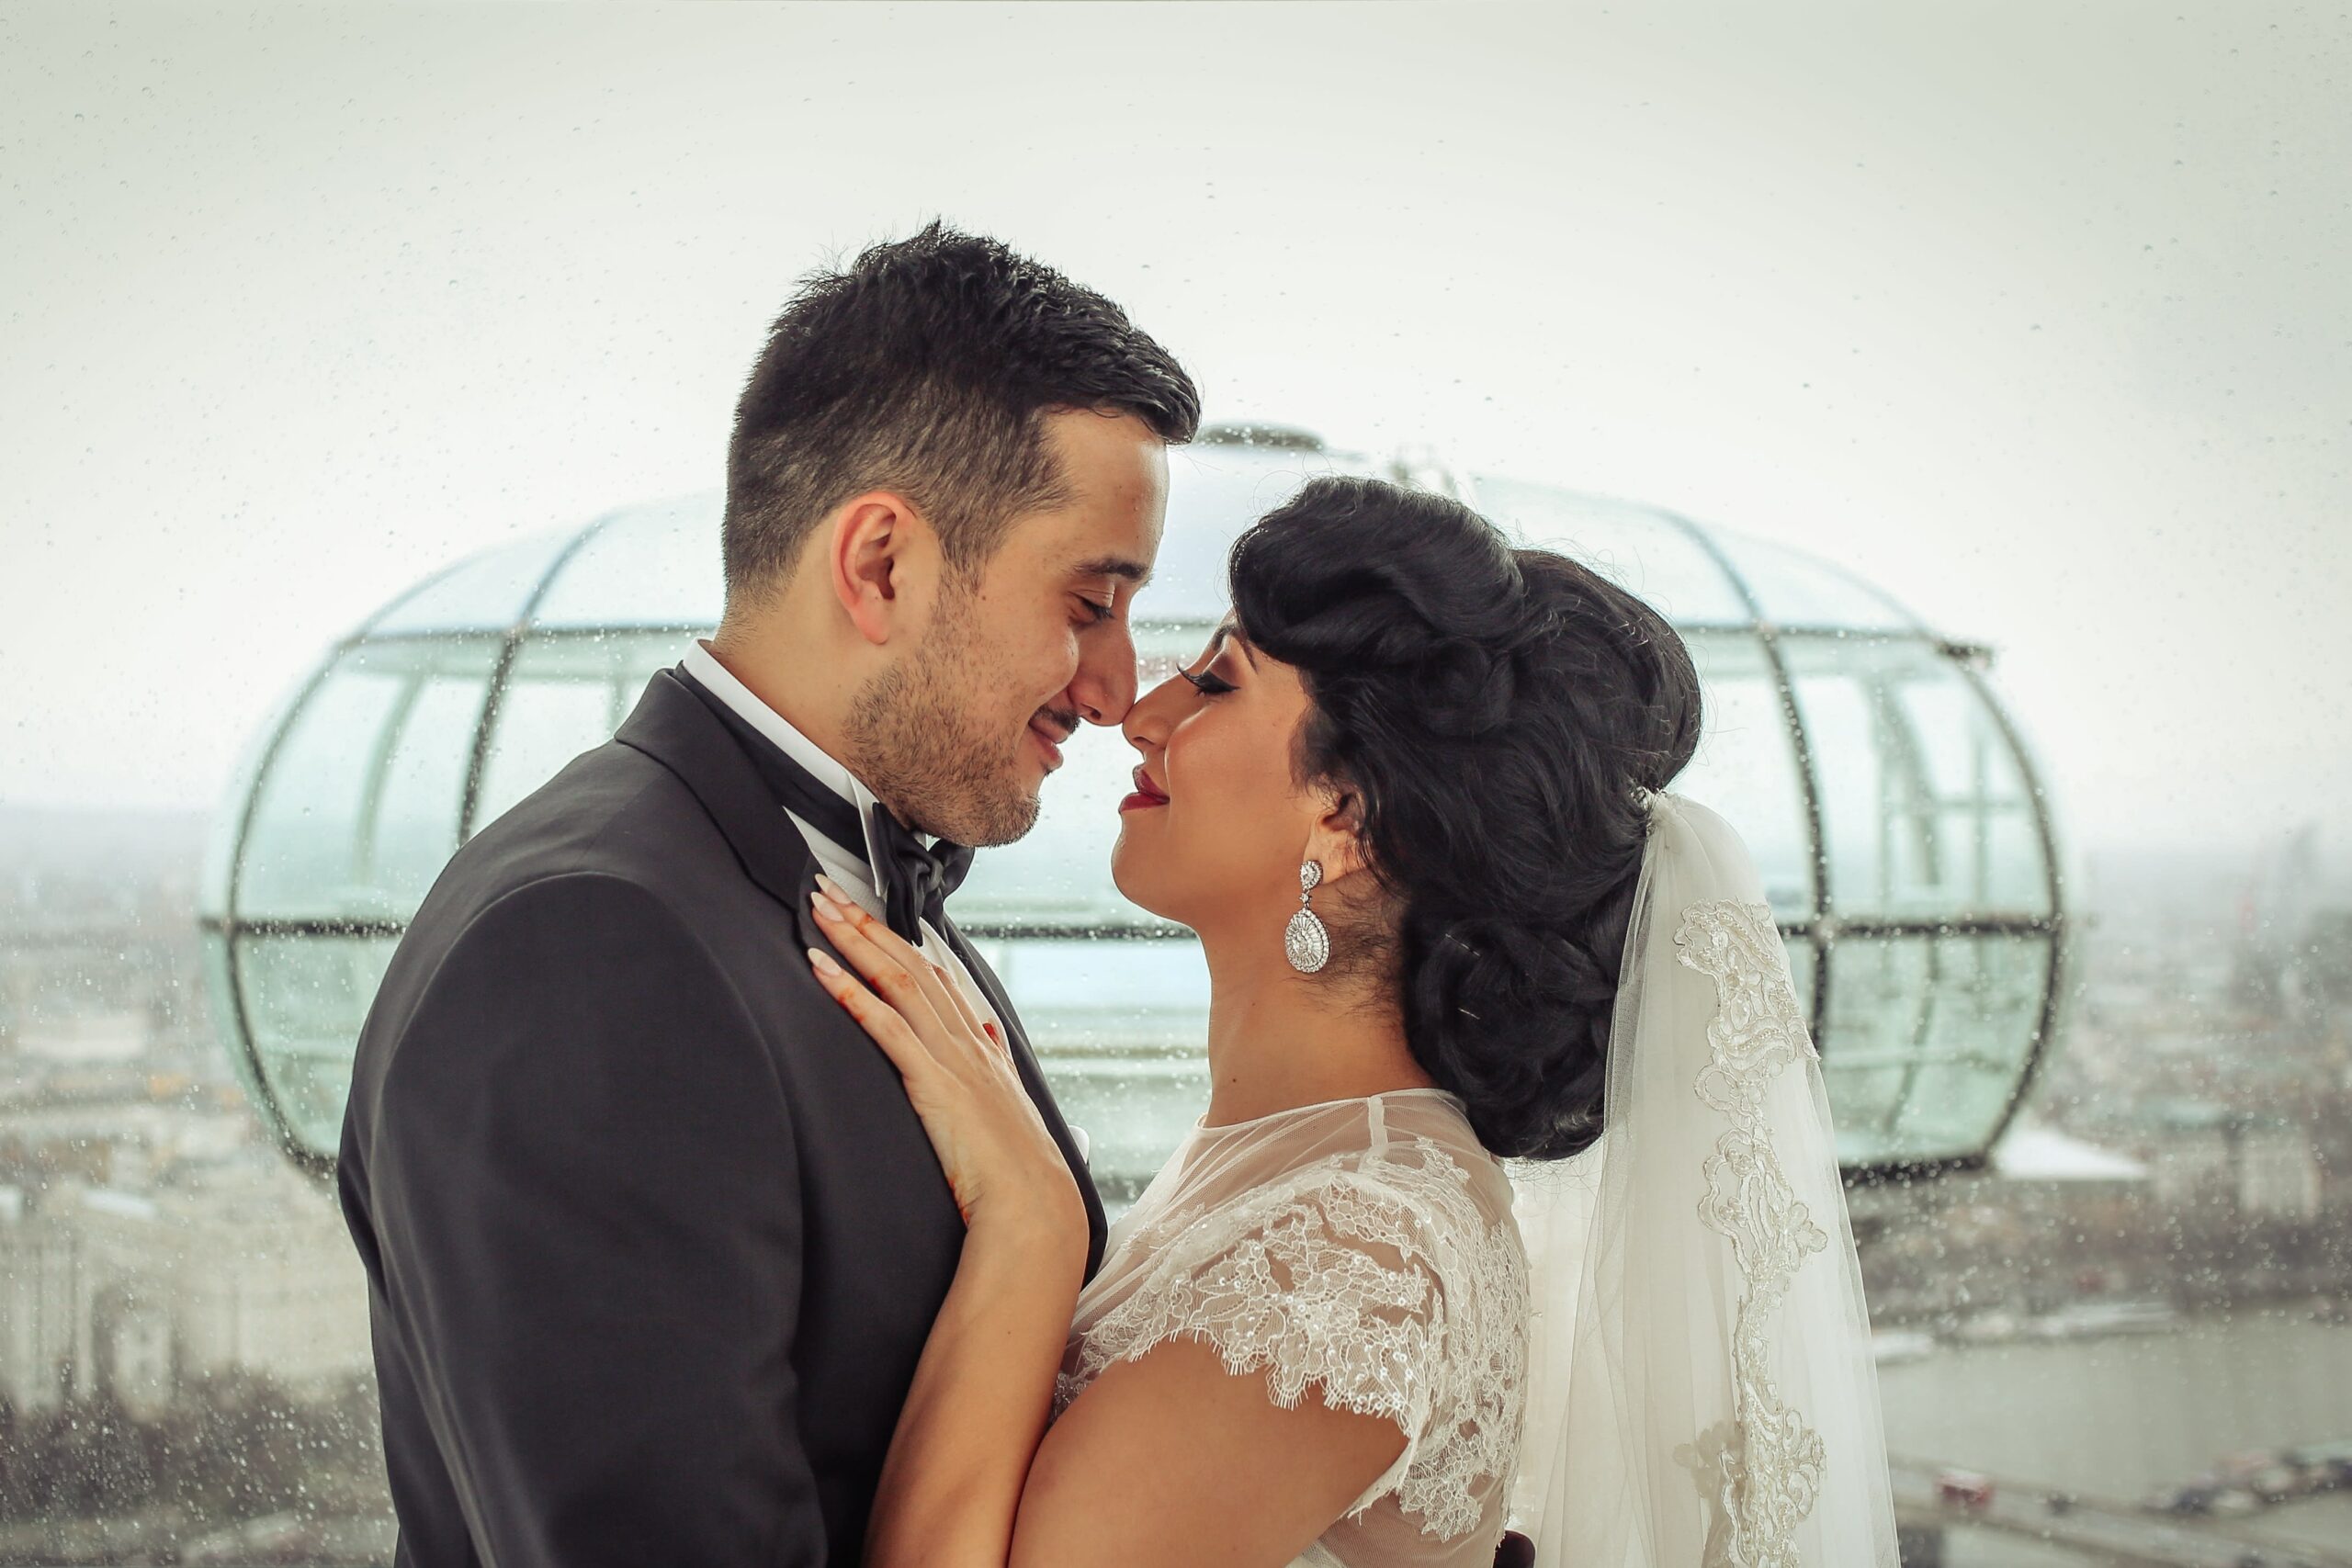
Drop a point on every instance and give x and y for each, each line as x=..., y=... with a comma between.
x=1365, y=1246
x=1201, y=1124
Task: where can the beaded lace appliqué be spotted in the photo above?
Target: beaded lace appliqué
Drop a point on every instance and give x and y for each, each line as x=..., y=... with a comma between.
x=1763, y=1467
x=1374, y=1276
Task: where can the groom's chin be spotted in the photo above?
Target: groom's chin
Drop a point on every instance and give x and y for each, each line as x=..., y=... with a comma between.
x=1003, y=820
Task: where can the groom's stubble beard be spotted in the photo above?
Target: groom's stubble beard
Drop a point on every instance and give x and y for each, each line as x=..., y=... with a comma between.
x=915, y=740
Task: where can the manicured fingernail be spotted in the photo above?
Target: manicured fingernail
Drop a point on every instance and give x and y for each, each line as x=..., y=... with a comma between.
x=826, y=910
x=833, y=890
x=825, y=965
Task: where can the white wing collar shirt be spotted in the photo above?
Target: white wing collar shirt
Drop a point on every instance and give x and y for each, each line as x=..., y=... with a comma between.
x=854, y=873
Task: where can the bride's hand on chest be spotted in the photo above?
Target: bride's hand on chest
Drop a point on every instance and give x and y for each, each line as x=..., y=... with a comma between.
x=1008, y=1174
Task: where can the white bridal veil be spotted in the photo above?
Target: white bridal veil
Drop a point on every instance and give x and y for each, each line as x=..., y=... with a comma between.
x=1701, y=1393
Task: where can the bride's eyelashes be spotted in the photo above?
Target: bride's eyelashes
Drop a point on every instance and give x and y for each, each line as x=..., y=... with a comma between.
x=1208, y=685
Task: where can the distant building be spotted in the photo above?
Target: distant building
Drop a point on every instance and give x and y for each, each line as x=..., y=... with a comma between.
x=37, y=1305
x=116, y=1131
x=270, y=1281
x=2054, y=1180
x=2260, y=1164
x=243, y=1267
x=132, y=1341
x=2277, y=1173
x=120, y=1036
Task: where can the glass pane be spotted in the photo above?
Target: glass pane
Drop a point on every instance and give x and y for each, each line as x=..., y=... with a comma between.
x=1794, y=589
x=298, y=852
x=1868, y=1041
x=1863, y=1102
x=1983, y=834
x=1162, y=647
x=650, y=566
x=565, y=696
x=1084, y=994
x=1134, y=1107
x=1986, y=996
x=1927, y=1039
x=1871, y=815
x=636, y=657
x=222, y=1000
x=1746, y=768
x=1922, y=798
x=1641, y=550
x=1214, y=492
x=486, y=593
x=415, y=829
x=306, y=997
x=229, y=816
x=1120, y=1028
x=1060, y=874
x=1951, y=1110
x=311, y=854
x=1878, y=1001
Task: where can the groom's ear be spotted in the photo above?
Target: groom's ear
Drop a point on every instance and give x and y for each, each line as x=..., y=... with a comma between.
x=882, y=563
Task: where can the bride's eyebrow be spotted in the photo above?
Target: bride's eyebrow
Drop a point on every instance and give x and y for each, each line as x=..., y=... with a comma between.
x=1230, y=631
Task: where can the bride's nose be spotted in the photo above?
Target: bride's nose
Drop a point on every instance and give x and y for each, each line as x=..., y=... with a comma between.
x=1140, y=737
x=1146, y=724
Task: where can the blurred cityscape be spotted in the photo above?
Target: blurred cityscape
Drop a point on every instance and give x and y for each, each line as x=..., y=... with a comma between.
x=184, y=1359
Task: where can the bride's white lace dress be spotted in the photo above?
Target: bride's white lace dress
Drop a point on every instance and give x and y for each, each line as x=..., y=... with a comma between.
x=1365, y=1248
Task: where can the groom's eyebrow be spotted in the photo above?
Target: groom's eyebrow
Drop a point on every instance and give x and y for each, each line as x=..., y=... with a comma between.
x=1133, y=572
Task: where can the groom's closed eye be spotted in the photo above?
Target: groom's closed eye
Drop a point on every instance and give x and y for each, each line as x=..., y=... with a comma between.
x=1097, y=584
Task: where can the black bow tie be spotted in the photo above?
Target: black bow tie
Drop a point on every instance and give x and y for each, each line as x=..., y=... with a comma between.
x=915, y=881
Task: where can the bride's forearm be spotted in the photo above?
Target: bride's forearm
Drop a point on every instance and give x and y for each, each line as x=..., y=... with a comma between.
x=982, y=1392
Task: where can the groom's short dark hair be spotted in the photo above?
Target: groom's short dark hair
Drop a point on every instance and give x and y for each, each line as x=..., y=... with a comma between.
x=926, y=367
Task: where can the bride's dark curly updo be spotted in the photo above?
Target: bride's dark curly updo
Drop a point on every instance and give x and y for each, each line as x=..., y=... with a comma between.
x=1493, y=708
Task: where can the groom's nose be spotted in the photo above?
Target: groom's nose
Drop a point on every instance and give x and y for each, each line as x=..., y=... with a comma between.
x=1104, y=687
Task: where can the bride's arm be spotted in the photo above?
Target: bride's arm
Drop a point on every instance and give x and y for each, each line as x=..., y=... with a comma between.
x=982, y=1392
x=1171, y=1462
x=1165, y=1460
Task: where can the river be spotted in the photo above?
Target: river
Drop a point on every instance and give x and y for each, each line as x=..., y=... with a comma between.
x=2120, y=1415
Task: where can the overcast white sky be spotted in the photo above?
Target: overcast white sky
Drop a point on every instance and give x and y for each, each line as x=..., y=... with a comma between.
x=2040, y=315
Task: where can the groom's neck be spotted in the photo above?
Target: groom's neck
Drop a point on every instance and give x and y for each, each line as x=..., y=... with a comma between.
x=800, y=682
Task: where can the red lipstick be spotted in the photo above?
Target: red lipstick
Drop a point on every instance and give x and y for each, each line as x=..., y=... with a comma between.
x=1146, y=793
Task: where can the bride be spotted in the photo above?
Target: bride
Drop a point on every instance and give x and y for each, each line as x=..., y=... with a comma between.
x=1410, y=799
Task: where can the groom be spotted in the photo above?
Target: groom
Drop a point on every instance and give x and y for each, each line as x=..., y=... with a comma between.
x=652, y=1235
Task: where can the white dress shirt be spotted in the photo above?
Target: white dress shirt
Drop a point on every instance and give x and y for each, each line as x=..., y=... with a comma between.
x=854, y=873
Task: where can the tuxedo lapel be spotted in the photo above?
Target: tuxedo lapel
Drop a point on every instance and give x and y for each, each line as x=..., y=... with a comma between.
x=680, y=730
x=724, y=761
x=719, y=757
x=1032, y=1079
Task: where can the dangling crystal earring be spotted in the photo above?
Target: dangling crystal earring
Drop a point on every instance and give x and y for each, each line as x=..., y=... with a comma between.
x=1305, y=942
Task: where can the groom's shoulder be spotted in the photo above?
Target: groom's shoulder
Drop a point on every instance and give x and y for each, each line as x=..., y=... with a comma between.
x=612, y=815
x=590, y=892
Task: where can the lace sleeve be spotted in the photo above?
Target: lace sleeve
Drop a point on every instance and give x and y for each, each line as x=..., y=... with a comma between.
x=1362, y=1279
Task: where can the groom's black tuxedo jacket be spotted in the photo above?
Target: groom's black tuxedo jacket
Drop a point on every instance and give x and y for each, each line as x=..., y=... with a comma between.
x=652, y=1237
